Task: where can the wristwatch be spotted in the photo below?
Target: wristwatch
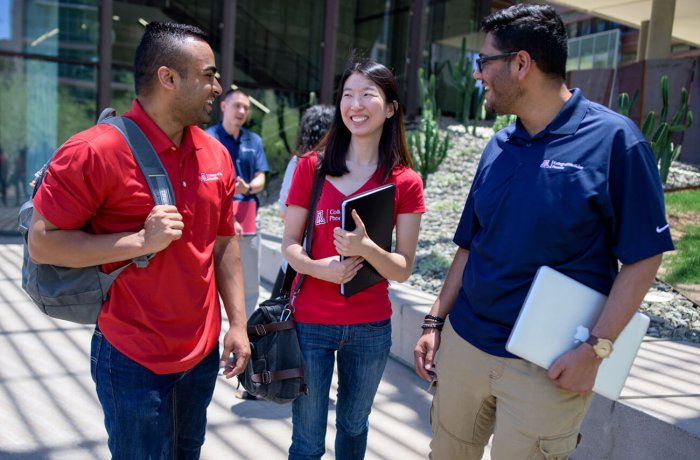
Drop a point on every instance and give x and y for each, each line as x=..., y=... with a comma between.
x=601, y=347
x=250, y=190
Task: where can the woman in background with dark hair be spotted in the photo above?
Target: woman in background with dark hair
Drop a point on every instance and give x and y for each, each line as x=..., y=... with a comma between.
x=364, y=148
x=312, y=127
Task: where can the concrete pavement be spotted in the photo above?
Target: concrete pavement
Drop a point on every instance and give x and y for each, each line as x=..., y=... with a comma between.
x=49, y=409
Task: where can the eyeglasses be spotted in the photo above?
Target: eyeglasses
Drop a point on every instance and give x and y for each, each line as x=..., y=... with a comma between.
x=484, y=59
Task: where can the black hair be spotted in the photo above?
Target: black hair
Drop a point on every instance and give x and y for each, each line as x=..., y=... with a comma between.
x=393, y=150
x=537, y=29
x=161, y=45
x=313, y=125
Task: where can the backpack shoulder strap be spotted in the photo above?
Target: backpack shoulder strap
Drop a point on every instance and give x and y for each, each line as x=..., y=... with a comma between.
x=146, y=157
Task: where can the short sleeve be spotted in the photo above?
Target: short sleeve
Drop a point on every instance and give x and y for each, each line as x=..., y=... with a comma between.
x=73, y=187
x=260, y=158
x=468, y=225
x=641, y=230
x=286, y=183
x=302, y=180
x=410, y=188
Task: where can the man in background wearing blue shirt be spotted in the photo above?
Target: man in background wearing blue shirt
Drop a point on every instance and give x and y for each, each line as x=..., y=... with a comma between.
x=250, y=163
x=572, y=185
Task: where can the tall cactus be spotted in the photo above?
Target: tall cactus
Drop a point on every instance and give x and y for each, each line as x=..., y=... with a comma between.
x=659, y=135
x=657, y=130
x=624, y=104
x=462, y=78
x=428, y=149
x=427, y=90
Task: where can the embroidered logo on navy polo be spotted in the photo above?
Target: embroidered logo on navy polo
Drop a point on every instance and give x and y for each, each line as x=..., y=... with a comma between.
x=553, y=164
x=661, y=229
x=207, y=177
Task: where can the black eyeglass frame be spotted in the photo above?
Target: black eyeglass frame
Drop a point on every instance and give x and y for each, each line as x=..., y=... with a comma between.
x=483, y=59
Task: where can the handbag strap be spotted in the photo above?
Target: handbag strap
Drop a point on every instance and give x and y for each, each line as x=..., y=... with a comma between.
x=268, y=377
x=290, y=274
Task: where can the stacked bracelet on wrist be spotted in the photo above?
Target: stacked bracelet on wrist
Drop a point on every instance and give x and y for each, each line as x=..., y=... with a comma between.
x=432, y=322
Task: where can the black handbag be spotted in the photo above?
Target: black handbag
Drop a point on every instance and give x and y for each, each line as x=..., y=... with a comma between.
x=275, y=371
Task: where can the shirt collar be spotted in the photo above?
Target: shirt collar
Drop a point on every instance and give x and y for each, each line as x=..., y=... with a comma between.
x=156, y=136
x=566, y=122
x=243, y=134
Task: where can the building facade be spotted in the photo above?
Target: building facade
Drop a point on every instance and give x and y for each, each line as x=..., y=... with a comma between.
x=62, y=61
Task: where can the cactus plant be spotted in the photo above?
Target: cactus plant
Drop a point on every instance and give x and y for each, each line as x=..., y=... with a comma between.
x=462, y=79
x=479, y=111
x=428, y=148
x=658, y=131
x=427, y=91
x=659, y=136
x=624, y=104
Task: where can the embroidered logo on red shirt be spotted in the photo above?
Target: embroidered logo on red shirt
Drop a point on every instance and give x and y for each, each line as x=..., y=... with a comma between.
x=207, y=177
x=319, y=217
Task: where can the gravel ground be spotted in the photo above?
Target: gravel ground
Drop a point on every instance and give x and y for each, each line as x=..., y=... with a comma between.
x=672, y=314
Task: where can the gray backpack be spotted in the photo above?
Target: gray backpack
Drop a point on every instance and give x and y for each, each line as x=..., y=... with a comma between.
x=77, y=294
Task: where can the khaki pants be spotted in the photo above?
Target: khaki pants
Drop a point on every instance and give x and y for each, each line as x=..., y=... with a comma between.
x=479, y=394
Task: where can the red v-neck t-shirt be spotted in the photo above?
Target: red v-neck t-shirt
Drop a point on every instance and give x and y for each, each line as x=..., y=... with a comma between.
x=319, y=301
x=167, y=316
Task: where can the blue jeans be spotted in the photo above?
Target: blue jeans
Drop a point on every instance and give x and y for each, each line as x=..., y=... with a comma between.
x=147, y=415
x=362, y=352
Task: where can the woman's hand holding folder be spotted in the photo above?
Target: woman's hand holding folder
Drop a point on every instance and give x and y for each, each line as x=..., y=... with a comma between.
x=352, y=243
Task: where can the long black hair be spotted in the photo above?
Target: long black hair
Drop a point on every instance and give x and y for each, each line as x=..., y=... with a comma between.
x=393, y=150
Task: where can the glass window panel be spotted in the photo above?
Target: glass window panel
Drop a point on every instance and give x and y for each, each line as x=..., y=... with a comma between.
x=44, y=103
x=601, y=52
x=67, y=29
x=586, y=61
x=277, y=45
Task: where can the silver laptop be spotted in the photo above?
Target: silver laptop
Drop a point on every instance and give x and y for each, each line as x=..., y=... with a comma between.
x=557, y=315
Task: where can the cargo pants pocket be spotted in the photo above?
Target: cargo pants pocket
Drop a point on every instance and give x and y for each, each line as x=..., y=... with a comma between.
x=558, y=448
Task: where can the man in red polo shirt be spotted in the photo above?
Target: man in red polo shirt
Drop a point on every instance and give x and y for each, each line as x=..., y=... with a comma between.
x=155, y=353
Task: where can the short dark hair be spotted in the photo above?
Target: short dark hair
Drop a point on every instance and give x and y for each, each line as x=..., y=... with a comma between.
x=313, y=125
x=537, y=29
x=161, y=45
x=393, y=150
x=232, y=91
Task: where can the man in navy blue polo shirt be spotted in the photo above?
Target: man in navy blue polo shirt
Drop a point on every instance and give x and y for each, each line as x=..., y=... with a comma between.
x=572, y=185
x=249, y=160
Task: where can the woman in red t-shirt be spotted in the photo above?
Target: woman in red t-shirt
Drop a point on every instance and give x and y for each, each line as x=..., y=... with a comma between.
x=364, y=148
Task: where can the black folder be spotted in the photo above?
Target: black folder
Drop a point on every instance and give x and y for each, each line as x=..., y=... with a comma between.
x=376, y=209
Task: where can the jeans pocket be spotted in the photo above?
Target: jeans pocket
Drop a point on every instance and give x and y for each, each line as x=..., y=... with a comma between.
x=377, y=325
x=95, y=347
x=558, y=448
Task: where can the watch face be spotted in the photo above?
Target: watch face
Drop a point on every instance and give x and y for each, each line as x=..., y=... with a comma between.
x=603, y=348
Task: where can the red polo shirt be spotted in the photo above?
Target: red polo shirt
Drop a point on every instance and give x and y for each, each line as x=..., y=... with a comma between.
x=319, y=301
x=167, y=316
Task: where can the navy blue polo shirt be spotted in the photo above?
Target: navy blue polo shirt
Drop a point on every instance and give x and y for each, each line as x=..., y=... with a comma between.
x=578, y=196
x=246, y=152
